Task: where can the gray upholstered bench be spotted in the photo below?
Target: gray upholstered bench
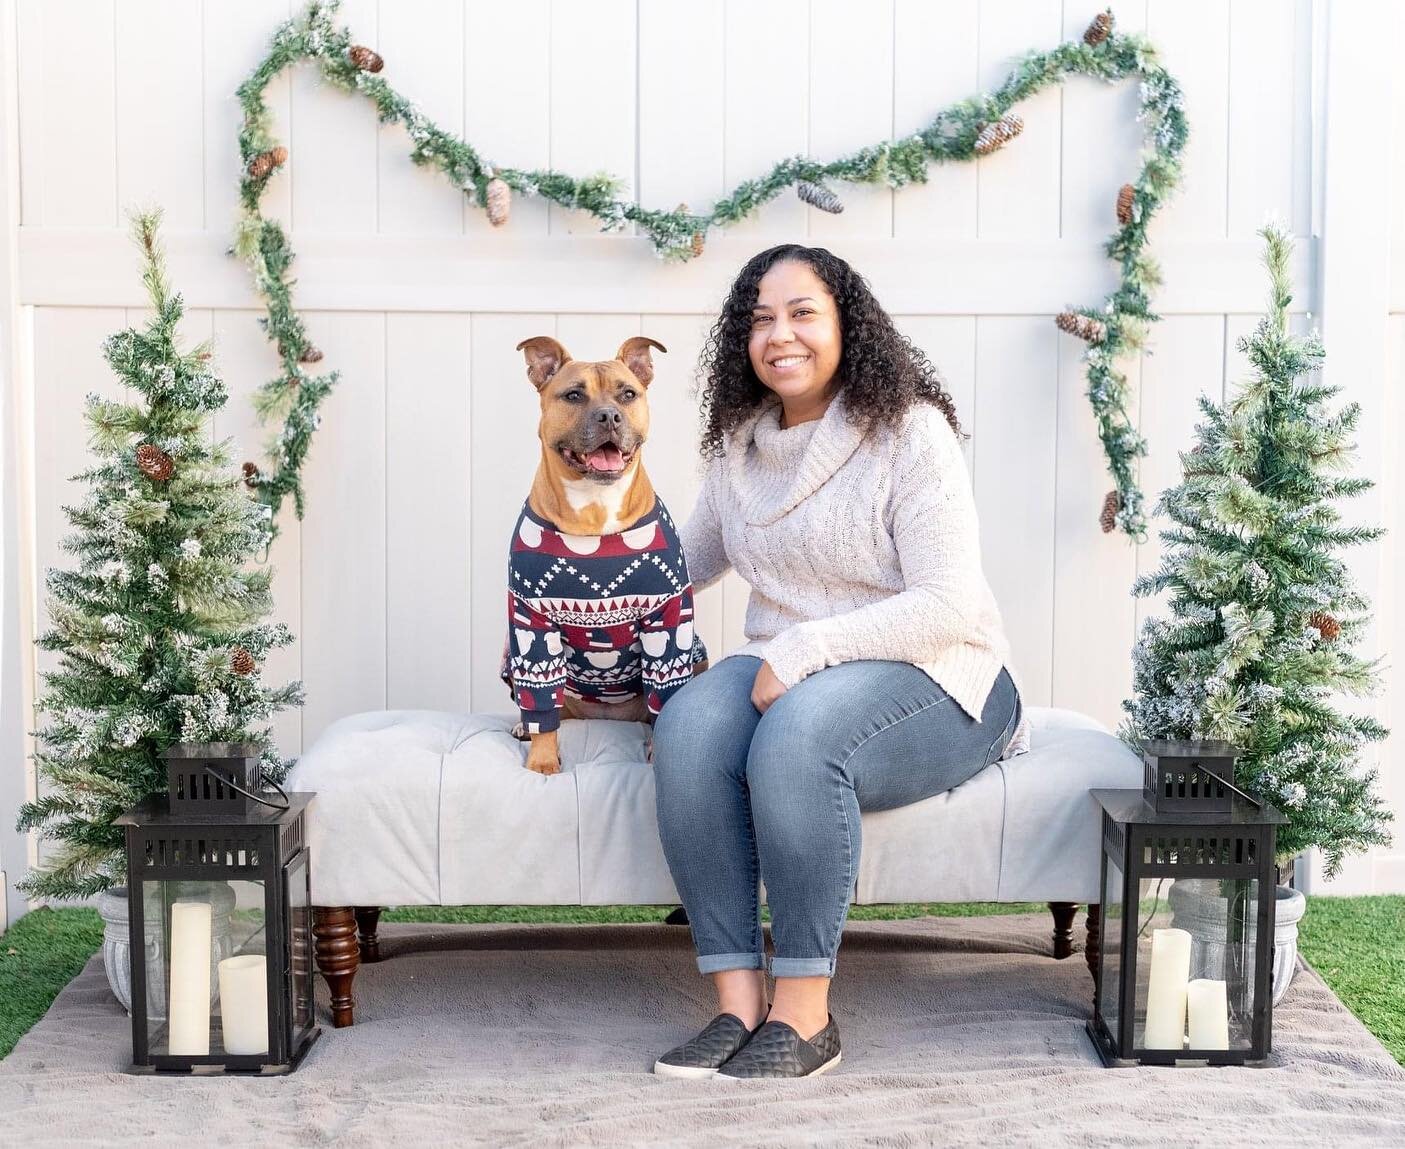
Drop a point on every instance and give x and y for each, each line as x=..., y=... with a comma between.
x=423, y=808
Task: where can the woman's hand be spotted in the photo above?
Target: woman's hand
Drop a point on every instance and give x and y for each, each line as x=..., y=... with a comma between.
x=766, y=689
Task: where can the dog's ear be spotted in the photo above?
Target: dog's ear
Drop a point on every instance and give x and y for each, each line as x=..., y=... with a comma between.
x=634, y=354
x=545, y=357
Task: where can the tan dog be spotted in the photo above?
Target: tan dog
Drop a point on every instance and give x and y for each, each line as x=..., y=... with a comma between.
x=590, y=483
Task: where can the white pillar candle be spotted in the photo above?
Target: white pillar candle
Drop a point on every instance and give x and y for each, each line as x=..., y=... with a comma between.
x=1207, y=1002
x=1166, y=990
x=244, y=1003
x=190, y=979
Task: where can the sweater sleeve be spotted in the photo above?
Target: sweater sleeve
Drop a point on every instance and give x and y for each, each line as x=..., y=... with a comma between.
x=933, y=515
x=701, y=539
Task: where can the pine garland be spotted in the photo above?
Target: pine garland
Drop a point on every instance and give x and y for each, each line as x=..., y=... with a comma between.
x=952, y=136
x=159, y=630
x=1263, y=611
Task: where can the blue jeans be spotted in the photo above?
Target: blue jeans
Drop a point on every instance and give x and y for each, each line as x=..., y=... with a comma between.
x=745, y=798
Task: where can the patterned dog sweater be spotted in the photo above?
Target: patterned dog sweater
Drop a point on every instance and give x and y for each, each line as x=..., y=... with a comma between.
x=603, y=617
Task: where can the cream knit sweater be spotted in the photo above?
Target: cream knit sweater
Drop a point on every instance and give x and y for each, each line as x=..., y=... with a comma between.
x=855, y=547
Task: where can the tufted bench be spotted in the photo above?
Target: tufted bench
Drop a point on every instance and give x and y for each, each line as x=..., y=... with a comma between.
x=424, y=808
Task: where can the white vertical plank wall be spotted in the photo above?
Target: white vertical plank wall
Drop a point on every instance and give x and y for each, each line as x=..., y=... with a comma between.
x=393, y=583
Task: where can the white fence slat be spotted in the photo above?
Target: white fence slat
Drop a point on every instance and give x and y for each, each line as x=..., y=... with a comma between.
x=680, y=103
x=422, y=42
x=503, y=455
x=934, y=64
x=1019, y=184
x=1192, y=38
x=428, y=548
x=1102, y=138
x=851, y=106
x=1186, y=358
x=1016, y=416
x=344, y=533
x=1261, y=113
x=332, y=150
x=159, y=111
x=236, y=38
x=593, y=111
x=507, y=99
x=949, y=342
x=1094, y=614
x=244, y=360
x=768, y=69
x=68, y=175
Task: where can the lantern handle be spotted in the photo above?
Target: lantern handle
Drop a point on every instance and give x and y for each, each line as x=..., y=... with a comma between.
x=287, y=802
x=1237, y=790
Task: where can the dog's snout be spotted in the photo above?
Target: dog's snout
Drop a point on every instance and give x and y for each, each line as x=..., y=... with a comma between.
x=611, y=417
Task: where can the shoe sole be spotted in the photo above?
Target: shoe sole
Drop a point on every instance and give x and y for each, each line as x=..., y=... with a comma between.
x=825, y=1068
x=689, y=1072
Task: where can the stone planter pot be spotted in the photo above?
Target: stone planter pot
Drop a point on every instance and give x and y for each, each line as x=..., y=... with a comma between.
x=1197, y=908
x=117, y=948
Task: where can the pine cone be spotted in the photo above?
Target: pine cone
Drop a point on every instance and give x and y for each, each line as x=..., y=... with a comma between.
x=242, y=662
x=265, y=162
x=994, y=136
x=310, y=355
x=251, y=474
x=154, y=463
x=1112, y=503
x=499, y=201
x=1327, y=626
x=699, y=242
x=1126, y=198
x=819, y=196
x=1099, y=30
x=1084, y=326
x=365, y=58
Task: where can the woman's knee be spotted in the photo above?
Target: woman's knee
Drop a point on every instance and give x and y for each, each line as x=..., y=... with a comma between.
x=705, y=722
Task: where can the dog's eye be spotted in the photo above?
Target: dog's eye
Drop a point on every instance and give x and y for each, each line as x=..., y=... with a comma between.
x=575, y=395
x=629, y=393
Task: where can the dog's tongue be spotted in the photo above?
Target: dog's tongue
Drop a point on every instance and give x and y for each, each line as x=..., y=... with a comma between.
x=606, y=458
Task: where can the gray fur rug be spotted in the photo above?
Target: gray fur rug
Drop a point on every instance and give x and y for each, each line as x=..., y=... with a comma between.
x=956, y=1031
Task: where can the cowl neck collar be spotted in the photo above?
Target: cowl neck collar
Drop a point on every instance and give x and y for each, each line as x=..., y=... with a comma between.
x=767, y=478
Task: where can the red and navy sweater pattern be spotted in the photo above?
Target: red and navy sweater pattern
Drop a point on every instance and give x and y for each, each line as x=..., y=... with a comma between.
x=603, y=617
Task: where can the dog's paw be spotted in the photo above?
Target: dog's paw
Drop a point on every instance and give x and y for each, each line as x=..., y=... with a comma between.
x=544, y=765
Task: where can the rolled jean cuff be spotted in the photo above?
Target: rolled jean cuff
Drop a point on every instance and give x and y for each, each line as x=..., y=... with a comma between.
x=802, y=967
x=718, y=963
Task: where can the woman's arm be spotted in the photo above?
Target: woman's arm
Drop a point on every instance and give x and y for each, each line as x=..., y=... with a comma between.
x=938, y=544
x=701, y=539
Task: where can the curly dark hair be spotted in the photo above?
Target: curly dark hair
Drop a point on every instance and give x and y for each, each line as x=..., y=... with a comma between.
x=881, y=372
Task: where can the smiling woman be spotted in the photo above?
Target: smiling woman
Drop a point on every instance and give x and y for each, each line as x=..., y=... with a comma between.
x=875, y=673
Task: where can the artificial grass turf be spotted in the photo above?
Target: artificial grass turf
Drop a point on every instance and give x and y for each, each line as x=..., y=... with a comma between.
x=39, y=955
x=1356, y=944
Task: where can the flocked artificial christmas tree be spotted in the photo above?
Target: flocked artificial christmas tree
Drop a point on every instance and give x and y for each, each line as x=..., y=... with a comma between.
x=159, y=630
x=1263, y=610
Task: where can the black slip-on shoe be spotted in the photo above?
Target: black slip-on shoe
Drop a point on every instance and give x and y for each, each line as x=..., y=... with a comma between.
x=704, y=1055
x=777, y=1050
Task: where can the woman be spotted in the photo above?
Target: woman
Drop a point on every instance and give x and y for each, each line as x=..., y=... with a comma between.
x=874, y=675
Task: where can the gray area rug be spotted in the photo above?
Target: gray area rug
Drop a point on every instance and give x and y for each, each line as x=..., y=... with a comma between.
x=956, y=1031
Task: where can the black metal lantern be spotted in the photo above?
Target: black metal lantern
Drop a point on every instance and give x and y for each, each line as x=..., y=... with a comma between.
x=1185, y=934
x=221, y=919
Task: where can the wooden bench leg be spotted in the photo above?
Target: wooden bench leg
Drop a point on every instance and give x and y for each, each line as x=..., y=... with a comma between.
x=338, y=956
x=1063, y=927
x=1092, y=949
x=367, y=919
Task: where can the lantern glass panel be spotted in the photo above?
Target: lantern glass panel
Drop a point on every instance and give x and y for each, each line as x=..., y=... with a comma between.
x=206, y=968
x=1221, y=917
x=1110, y=984
x=1206, y=960
x=300, y=941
